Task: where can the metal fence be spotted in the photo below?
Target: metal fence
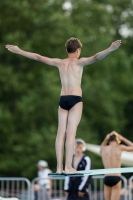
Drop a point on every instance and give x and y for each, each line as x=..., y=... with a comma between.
x=23, y=189
x=129, y=190
x=15, y=187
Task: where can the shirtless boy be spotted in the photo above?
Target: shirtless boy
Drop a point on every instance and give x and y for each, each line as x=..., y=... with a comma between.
x=111, y=151
x=70, y=105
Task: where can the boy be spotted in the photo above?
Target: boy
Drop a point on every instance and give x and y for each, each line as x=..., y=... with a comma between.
x=78, y=187
x=44, y=184
x=111, y=151
x=70, y=105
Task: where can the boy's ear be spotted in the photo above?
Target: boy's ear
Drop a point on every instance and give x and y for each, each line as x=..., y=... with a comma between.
x=78, y=50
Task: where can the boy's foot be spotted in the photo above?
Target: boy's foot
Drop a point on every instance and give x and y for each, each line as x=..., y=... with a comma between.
x=59, y=169
x=59, y=172
x=10, y=198
x=70, y=171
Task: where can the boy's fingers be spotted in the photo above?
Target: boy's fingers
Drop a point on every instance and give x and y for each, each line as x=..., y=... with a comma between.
x=8, y=45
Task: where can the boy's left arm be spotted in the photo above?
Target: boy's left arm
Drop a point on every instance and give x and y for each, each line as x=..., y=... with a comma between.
x=87, y=61
x=128, y=144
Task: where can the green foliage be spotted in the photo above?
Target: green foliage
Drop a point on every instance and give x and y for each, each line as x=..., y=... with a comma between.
x=30, y=91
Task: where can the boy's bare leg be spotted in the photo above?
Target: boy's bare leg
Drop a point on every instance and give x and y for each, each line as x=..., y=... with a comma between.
x=59, y=144
x=115, y=193
x=73, y=120
x=107, y=192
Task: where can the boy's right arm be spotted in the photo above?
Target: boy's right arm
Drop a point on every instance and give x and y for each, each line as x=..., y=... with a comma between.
x=105, y=141
x=34, y=56
x=87, y=61
x=66, y=184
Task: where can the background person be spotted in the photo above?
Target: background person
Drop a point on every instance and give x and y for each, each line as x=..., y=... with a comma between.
x=45, y=181
x=78, y=187
x=111, y=151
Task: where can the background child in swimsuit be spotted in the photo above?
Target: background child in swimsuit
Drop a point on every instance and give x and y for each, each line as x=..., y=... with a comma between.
x=111, y=151
x=70, y=109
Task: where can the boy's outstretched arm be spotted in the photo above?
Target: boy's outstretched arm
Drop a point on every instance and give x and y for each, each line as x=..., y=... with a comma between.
x=34, y=56
x=86, y=61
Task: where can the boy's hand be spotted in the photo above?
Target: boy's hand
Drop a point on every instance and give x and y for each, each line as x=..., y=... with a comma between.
x=115, y=45
x=114, y=133
x=13, y=49
x=66, y=193
x=118, y=136
x=80, y=194
x=108, y=136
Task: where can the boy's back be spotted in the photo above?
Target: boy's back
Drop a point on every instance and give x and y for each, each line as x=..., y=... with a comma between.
x=71, y=75
x=111, y=156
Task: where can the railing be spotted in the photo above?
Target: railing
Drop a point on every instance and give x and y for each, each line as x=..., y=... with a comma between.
x=23, y=189
x=130, y=188
x=15, y=187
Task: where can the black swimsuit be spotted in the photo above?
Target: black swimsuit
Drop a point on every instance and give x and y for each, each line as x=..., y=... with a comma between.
x=111, y=180
x=68, y=101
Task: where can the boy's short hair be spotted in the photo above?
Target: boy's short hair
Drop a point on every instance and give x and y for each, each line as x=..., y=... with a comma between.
x=112, y=138
x=72, y=45
x=79, y=143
